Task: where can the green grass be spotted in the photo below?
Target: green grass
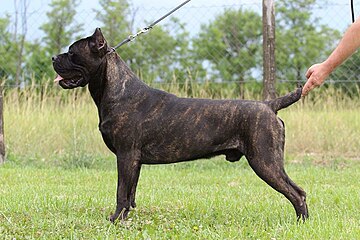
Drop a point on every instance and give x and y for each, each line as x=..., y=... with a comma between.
x=210, y=199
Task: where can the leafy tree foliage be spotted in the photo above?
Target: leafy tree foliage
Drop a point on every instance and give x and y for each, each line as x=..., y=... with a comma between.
x=114, y=16
x=38, y=63
x=301, y=40
x=348, y=72
x=226, y=49
x=61, y=27
x=154, y=56
x=158, y=55
x=231, y=45
x=7, y=52
x=60, y=30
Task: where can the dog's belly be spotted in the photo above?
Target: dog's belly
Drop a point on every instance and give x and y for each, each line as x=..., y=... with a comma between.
x=166, y=149
x=191, y=132
x=172, y=152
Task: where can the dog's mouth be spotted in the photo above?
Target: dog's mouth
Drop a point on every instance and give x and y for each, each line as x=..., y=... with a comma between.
x=71, y=82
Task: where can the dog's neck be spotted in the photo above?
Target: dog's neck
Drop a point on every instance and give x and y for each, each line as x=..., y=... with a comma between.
x=96, y=84
x=114, y=82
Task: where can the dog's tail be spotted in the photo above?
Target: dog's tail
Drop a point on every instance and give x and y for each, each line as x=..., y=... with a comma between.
x=284, y=101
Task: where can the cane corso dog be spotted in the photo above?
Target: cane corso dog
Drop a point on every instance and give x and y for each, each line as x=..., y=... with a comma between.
x=143, y=125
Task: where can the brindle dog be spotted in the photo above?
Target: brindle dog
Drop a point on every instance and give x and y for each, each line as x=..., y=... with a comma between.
x=142, y=125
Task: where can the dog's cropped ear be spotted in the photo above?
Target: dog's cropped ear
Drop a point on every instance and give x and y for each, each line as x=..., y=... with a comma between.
x=98, y=43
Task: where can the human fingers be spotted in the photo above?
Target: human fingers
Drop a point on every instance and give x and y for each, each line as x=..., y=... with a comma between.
x=312, y=82
x=307, y=88
x=310, y=71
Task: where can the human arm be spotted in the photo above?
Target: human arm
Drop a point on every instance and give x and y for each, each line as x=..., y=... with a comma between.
x=317, y=73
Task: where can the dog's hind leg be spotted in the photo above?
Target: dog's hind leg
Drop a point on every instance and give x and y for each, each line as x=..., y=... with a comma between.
x=134, y=185
x=267, y=160
x=128, y=174
x=275, y=176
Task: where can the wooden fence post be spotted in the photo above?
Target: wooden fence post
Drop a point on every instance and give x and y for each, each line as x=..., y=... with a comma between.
x=269, y=68
x=2, y=144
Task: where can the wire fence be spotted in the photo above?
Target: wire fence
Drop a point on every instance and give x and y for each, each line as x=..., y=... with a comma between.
x=204, y=57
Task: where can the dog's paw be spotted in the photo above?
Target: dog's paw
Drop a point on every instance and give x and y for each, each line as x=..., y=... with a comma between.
x=112, y=218
x=119, y=215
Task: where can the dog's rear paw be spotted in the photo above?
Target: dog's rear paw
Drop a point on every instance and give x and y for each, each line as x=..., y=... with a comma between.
x=304, y=214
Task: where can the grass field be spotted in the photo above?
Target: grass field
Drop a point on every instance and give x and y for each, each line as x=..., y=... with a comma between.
x=60, y=180
x=210, y=199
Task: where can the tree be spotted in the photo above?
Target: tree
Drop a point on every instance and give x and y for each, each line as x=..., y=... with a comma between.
x=60, y=30
x=12, y=51
x=115, y=19
x=38, y=62
x=61, y=27
x=184, y=67
x=346, y=76
x=7, y=51
x=159, y=54
x=155, y=56
x=300, y=39
x=231, y=45
x=20, y=39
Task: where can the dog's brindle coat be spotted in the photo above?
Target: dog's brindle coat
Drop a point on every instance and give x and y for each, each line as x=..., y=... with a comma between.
x=142, y=125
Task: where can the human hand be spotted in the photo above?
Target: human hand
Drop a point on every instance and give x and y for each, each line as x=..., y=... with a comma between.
x=316, y=75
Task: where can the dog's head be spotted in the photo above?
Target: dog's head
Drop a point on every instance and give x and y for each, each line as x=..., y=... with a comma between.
x=83, y=59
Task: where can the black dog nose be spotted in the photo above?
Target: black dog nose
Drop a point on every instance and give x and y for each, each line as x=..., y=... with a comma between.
x=54, y=58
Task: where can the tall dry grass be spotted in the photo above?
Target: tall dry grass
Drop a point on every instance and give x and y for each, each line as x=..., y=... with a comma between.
x=55, y=126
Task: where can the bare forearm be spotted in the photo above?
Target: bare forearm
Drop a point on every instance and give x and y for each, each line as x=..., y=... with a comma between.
x=347, y=46
x=317, y=73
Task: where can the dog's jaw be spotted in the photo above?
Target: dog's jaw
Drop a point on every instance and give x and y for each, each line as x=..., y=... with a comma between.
x=73, y=82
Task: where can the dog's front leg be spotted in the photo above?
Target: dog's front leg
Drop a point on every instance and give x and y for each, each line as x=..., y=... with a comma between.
x=128, y=173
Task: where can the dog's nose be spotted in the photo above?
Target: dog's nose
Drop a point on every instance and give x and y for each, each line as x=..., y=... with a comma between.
x=54, y=58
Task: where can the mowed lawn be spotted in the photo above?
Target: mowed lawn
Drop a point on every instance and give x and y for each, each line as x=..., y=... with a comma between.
x=208, y=199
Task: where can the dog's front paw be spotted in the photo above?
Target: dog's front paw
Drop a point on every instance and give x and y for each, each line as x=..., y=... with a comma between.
x=113, y=218
x=119, y=214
